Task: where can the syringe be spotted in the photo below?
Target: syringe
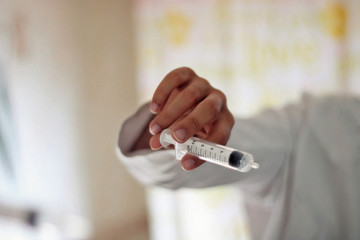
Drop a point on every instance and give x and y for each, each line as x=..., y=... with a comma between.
x=210, y=152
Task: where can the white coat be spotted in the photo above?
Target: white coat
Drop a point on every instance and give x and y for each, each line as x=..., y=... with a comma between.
x=308, y=183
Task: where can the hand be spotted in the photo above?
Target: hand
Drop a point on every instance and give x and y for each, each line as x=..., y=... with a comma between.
x=189, y=105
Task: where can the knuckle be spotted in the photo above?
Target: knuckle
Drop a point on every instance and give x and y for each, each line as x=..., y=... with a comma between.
x=229, y=118
x=175, y=76
x=186, y=71
x=194, y=122
x=203, y=85
x=213, y=109
x=192, y=94
x=221, y=95
x=232, y=120
x=223, y=137
x=197, y=90
x=181, y=74
x=204, y=82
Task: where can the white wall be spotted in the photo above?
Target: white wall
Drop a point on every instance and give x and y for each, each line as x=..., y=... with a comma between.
x=110, y=96
x=72, y=82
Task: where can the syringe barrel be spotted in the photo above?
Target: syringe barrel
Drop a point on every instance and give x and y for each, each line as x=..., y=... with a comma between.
x=216, y=153
x=211, y=152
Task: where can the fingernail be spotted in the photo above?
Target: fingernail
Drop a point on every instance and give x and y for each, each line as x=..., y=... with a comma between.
x=154, y=108
x=180, y=135
x=188, y=164
x=155, y=148
x=155, y=129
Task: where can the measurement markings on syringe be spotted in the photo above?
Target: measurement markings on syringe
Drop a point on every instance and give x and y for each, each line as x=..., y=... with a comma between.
x=200, y=151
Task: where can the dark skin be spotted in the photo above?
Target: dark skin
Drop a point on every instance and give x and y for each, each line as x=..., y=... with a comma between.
x=189, y=106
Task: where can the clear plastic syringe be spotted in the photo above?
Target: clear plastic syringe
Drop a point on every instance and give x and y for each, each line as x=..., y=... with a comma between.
x=210, y=152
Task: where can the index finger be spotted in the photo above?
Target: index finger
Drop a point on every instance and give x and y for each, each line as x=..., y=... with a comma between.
x=172, y=80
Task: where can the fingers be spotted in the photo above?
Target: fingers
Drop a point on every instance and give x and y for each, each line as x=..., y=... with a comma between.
x=155, y=142
x=186, y=99
x=173, y=80
x=221, y=129
x=220, y=133
x=189, y=162
x=204, y=113
x=189, y=106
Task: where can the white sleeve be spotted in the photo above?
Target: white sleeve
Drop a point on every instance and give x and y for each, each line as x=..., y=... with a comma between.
x=269, y=136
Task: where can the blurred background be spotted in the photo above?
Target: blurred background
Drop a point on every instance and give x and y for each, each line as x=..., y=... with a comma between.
x=72, y=71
